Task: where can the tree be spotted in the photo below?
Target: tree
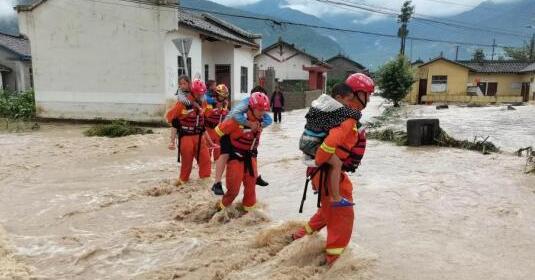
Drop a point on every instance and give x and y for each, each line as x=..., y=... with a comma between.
x=478, y=55
x=521, y=53
x=406, y=13
x=395, y=79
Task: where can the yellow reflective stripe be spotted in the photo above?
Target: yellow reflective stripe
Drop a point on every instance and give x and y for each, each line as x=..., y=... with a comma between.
x=327, y=148
x=221, y=206
x=248, y=209
x=355, y=128
x=308, y=229
x=218, y=131
x=209, y=107
x=334, y=251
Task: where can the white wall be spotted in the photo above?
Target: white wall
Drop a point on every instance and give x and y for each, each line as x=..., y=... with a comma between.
x=243, y=57
x=171, y=59
x=19, y=77
x=291, y=69
x=98, y=60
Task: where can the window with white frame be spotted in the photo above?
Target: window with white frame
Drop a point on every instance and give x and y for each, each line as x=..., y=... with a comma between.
x=439, y=83
x=243, y=79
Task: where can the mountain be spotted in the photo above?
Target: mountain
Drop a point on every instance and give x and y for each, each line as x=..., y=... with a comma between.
x=305, y=38
x=371, y=50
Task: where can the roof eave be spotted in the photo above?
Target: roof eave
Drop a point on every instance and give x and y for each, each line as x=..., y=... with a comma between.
x=29, y=7
x=218, y=36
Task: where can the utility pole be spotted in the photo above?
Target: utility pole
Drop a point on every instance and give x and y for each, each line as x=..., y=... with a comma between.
x=532, y=48
x=406, y=13
x=493, y=48
x=456, y=53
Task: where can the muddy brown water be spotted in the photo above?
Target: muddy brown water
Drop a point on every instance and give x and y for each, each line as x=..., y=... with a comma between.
x=74, y=207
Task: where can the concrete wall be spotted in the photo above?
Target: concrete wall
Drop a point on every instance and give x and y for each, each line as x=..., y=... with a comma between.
x=19, y=79
x=243, y=57
x=457, y=77
x=287, y=67
x=299, y=99
x=341, y=68
x=444, y=98
x=98, y=60
x=505, y=82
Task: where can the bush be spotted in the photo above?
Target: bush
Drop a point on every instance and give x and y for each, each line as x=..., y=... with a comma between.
x=115, y=129
x=14, y=105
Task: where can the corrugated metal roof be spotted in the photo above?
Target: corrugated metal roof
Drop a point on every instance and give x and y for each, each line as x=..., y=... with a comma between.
x=15, y=44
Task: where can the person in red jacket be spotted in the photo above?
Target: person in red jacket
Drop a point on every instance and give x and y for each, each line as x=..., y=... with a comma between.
x=244, y=141
x=189, y=121
x=215, y=114
x=347, y=142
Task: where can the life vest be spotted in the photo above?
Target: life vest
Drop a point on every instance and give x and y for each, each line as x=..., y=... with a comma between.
x=247, y=142
x=218, y=115
x=192, y=123
x=356, y=153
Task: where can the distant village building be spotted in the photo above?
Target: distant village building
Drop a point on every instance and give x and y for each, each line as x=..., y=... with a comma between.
x=444, y=80
x=15, y=63
x=343, y=66
x=117, y=59
x=292, y=64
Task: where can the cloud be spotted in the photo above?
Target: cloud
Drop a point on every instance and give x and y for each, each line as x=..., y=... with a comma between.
x=423, y=7
x=6, y=8
x=235, y=3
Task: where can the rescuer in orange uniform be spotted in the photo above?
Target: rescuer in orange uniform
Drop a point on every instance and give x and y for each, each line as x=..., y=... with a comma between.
x=188, y=119
x=347, y=142
x=241, y=166
x=215, y=114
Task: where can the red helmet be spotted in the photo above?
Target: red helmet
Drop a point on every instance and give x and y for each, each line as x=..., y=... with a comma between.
x=259, y=101
x=361, y=82
x=198, y=87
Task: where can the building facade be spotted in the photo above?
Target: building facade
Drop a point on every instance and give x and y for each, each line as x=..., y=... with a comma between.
x=112, y=60
x=343, y=66
x=15, y=63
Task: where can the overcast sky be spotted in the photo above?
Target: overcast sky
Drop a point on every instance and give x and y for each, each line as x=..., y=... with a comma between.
x=425, y=7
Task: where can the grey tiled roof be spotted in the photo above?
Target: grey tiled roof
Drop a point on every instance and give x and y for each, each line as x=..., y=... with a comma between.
x=4, y=68
x=207, y=25
x=529, y=68
x=15, y=44
x=504, y=66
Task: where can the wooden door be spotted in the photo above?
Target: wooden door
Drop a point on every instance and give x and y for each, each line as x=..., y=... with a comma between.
x=525, y=92
x=422, y=90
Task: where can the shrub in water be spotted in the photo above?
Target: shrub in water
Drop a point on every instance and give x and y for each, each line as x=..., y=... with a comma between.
x=118, y=128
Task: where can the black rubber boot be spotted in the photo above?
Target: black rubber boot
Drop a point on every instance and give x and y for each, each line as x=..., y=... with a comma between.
x=217, y=188
x=261, y=182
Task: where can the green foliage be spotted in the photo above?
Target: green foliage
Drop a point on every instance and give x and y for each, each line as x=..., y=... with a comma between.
x=521, y=53
x=479, y=55
x=115, y=129
x=15, y=105
x=395, y=79
x=331, y=83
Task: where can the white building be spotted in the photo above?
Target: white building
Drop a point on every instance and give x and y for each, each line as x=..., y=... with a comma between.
x=15, y=63
x=114, y=59
x=287, y=60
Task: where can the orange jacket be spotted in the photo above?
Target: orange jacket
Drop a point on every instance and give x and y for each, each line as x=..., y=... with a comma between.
x=236, y=131
x=180, y=111
x=345, y=136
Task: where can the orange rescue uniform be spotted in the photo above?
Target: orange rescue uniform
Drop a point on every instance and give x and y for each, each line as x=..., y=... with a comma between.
x=339, y=221
x=215, y=116
x=189, y=121
x=241, y=166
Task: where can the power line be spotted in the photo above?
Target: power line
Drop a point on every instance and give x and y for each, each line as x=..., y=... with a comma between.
x=394, y=13
x=284, y=22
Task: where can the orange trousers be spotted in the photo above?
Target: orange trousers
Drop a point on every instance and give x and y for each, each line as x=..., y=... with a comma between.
x=189, y=146
x=339, y=221
x=237, y=174
x=216, y=152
